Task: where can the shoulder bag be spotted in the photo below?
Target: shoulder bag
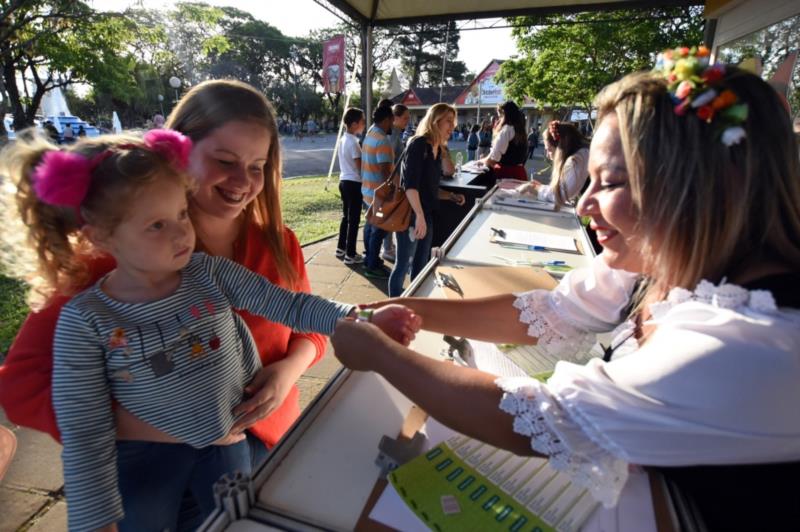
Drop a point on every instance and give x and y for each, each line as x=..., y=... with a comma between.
x=390, y=209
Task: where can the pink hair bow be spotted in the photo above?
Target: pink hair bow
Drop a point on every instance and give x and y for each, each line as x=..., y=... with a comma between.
x=63, y=178
x=173, y=145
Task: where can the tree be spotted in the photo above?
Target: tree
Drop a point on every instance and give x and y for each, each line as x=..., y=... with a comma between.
x=567, y=59
x=50, y=44
x=421, y=48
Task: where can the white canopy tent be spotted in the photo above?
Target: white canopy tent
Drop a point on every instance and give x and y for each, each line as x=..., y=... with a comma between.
x=370, y=13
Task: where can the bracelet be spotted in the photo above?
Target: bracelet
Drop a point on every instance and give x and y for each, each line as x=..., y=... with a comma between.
x=365, y=315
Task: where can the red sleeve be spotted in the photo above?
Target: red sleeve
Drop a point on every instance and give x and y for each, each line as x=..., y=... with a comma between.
x=25, y=377
x=295, y=253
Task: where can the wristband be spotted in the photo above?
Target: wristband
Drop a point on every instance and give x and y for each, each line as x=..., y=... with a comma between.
x=365, y=315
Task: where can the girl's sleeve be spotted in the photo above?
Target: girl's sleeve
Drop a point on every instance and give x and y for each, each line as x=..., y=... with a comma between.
x=586, y=302
x=82, y=402
x=250, y=291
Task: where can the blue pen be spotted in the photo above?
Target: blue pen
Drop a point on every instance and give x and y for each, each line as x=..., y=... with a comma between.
x=523, y=246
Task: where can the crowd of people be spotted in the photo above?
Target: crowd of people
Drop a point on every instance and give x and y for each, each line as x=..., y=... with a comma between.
x=179, y=316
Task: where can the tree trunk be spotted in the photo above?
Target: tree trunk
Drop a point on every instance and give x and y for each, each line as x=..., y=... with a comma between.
x=10, y=79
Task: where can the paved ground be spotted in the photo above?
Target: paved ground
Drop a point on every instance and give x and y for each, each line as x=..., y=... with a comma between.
x=313, y=156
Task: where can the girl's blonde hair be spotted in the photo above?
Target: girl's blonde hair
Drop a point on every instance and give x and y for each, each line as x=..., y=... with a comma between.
x=54, y=231
x=429, y=125
x=709, y=211
x=570, y=140
x=212, y=104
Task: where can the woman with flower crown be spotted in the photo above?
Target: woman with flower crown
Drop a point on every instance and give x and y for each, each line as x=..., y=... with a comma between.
x=702, y=293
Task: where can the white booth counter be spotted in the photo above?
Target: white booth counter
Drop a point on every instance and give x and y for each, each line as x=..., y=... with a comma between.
x=323, y=471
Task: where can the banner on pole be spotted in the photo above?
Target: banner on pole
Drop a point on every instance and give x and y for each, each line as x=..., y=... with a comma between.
x=333, y=64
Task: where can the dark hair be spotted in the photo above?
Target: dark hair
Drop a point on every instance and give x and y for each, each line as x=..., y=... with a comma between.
x=385, y=102
x=513, y=116
x=352, y=115
x=399, y=109
x=381, y=113
x=475, y=128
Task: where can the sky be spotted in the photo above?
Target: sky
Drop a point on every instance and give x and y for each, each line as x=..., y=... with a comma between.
x=284, y=16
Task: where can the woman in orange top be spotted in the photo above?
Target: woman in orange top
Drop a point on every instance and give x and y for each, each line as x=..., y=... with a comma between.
x=236, y=212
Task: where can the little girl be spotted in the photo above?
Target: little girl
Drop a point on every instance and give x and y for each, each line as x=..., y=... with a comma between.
x=158, y=334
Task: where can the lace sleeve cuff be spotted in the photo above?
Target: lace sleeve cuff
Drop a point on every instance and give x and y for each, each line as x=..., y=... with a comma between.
x=539, y=415
x=555, y=333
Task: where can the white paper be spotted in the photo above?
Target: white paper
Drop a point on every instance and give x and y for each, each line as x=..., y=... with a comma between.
x=532, y=238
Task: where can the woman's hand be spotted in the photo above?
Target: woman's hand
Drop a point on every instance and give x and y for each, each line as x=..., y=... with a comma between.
x=420, y=228
x=267, y=391
x=230, y=438
x=359, y=345
x=398, y=322
x=458, y=199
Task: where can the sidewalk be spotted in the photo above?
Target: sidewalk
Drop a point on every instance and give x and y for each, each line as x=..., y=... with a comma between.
x=31, y=494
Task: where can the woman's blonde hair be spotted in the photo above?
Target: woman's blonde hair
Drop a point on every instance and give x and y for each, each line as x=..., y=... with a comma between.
x=54, y=231
x=212, y=104
x=429, y=125
x=709, y=211
x=570, y=140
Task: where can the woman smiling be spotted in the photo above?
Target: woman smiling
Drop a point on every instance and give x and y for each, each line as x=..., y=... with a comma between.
x=702, y=295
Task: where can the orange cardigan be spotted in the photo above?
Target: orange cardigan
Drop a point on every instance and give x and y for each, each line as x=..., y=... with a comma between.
x=25, y=378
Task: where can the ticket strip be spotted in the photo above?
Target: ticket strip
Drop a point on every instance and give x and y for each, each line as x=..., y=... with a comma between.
x=465, y=485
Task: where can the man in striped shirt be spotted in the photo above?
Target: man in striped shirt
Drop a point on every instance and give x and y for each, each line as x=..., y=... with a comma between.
x=377, y=159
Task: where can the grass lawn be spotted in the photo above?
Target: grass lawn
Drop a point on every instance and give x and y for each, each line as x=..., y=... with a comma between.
x=310, y=210
x=12, y=311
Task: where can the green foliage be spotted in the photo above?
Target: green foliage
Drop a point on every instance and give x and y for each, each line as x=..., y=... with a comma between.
x=57, y=43
x=421, y=47
x=13, y=311
x=567, y=59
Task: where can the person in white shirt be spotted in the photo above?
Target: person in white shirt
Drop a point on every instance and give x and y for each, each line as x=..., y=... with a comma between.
x=566, y=146
x=702, y=292
x=350, y=186
x=509, y=144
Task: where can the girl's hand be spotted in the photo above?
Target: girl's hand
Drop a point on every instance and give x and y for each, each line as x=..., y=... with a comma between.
x=398, y=322
x=267, y=391
x=378, y=304
x=421, y=228
x=358, y=345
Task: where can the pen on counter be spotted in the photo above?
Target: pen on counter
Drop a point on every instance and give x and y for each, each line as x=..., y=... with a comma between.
x=523, y=246
x=498, y=232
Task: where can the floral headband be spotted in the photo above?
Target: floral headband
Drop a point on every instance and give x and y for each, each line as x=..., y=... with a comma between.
x=552, y=127
x=63, y=178
x=695, y=85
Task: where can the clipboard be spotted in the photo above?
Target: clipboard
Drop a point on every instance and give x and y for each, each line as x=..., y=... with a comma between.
x=485, y=281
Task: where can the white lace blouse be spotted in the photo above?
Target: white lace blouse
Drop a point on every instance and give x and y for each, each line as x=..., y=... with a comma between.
x=718, y=382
